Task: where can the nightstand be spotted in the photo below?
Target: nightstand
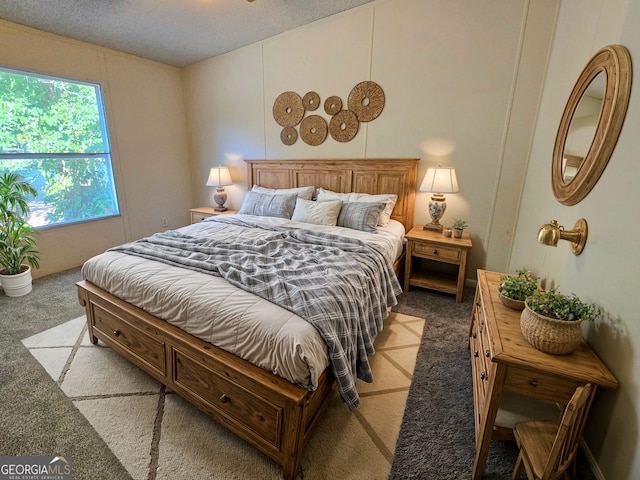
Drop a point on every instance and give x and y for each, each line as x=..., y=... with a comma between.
x=200, y=213
x=436, y=262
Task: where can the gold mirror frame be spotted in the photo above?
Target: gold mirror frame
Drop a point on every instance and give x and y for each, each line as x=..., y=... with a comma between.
x=615, y=62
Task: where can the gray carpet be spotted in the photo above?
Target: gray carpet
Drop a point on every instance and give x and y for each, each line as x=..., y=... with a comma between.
x=437, y=438
x=36, y=418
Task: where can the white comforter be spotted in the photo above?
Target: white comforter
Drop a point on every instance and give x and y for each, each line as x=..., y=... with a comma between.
x=213, y=310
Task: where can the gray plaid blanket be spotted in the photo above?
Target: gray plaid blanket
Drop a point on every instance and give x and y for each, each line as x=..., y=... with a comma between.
x=340, y=285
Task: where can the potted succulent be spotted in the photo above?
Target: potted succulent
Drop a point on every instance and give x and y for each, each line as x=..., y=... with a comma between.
x=514, y=289
x=551, y=321
x=458, y=226
x=18, y=253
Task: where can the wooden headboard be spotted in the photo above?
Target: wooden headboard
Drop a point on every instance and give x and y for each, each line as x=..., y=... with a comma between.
x=363, y=175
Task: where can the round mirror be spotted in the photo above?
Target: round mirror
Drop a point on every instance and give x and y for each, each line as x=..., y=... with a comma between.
x=591, y=124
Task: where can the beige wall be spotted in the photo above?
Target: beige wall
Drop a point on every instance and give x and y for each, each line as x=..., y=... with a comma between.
x=607, y=271
x=146, y=119
x=468, y=72
x=456, y=70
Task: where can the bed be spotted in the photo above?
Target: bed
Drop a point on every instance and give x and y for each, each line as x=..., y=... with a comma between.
x=266, y=405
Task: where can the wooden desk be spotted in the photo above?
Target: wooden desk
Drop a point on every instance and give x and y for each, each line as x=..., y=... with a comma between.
x=502, y=360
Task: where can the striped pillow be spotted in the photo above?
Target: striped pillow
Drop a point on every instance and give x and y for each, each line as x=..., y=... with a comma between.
x=360, y=215
x=267, y=205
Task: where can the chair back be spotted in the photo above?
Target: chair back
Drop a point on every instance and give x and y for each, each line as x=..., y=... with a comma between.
x=565, y=445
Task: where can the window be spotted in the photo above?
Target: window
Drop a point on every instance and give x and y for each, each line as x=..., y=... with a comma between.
x=53, y=133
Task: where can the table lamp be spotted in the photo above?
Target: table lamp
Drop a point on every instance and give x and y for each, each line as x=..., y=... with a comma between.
x=219, y=177
x=438, y=180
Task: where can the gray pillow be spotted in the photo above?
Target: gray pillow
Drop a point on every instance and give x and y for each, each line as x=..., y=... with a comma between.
x=305, y=193
x=266, y=205
x=360, y=215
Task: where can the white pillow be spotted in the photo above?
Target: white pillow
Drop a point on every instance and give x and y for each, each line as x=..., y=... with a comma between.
x=389, y=199
x=305, y=193
x=320, y=213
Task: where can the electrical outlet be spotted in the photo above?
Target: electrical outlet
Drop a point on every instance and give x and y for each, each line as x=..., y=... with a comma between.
x=165, y=222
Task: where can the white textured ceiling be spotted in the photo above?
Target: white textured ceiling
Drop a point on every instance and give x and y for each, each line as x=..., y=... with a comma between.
x=176, y=32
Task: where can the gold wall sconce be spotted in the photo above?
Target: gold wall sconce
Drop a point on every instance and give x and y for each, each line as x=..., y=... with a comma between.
x=551, y=232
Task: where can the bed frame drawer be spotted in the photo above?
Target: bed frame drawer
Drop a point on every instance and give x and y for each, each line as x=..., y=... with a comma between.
x=244, y=407
x=122, y=336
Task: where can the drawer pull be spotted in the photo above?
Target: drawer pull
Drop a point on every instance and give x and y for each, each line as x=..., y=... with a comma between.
x=475, y=335
x=487, y=353
x=435, y=251
x=483, y=376
x=116, y=333
x=476, y=354
x=224, y=398
x=533, y=382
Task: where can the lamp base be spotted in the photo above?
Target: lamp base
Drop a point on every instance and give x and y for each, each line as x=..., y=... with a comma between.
x=437, y=206
x=434, y=227
x=220, y=197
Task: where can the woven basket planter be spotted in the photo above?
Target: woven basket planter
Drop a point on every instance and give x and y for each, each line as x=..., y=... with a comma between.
x=510, y=302
x=548, y=334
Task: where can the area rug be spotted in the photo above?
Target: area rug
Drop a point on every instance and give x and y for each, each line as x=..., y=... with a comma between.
x=157, y=435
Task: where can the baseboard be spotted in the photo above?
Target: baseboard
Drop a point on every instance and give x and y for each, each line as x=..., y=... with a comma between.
x=595, y=468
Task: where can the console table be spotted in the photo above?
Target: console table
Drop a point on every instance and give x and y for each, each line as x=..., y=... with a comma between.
x=503, y=361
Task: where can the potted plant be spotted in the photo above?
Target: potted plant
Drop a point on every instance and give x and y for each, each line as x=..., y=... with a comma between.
x=458, y=226
x=18, y=253
x=551, y=321
x=515, y=289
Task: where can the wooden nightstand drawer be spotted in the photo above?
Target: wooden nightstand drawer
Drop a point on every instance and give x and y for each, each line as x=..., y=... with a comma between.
x=200, y=213
x=436, y=252
x=198, y=217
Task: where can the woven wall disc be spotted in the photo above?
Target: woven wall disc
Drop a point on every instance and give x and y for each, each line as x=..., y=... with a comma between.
x=289, y=135
x=366, y=100
x=313, y=130
x=332, y=105
x=343, y=126
x=311, y=101
x=288, y=109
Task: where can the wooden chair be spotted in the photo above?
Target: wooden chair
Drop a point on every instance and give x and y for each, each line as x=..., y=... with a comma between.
x=546, y=448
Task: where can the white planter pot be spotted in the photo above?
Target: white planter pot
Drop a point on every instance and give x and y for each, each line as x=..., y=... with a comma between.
x=16, y=285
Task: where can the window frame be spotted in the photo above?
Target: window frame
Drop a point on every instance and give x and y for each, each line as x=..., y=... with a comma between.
x=107, y=154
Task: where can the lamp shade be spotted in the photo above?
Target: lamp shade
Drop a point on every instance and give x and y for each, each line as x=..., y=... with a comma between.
x=219, y=177
x=440, y=180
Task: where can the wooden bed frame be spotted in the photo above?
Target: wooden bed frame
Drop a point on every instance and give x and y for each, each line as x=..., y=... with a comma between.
x=272, y=414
